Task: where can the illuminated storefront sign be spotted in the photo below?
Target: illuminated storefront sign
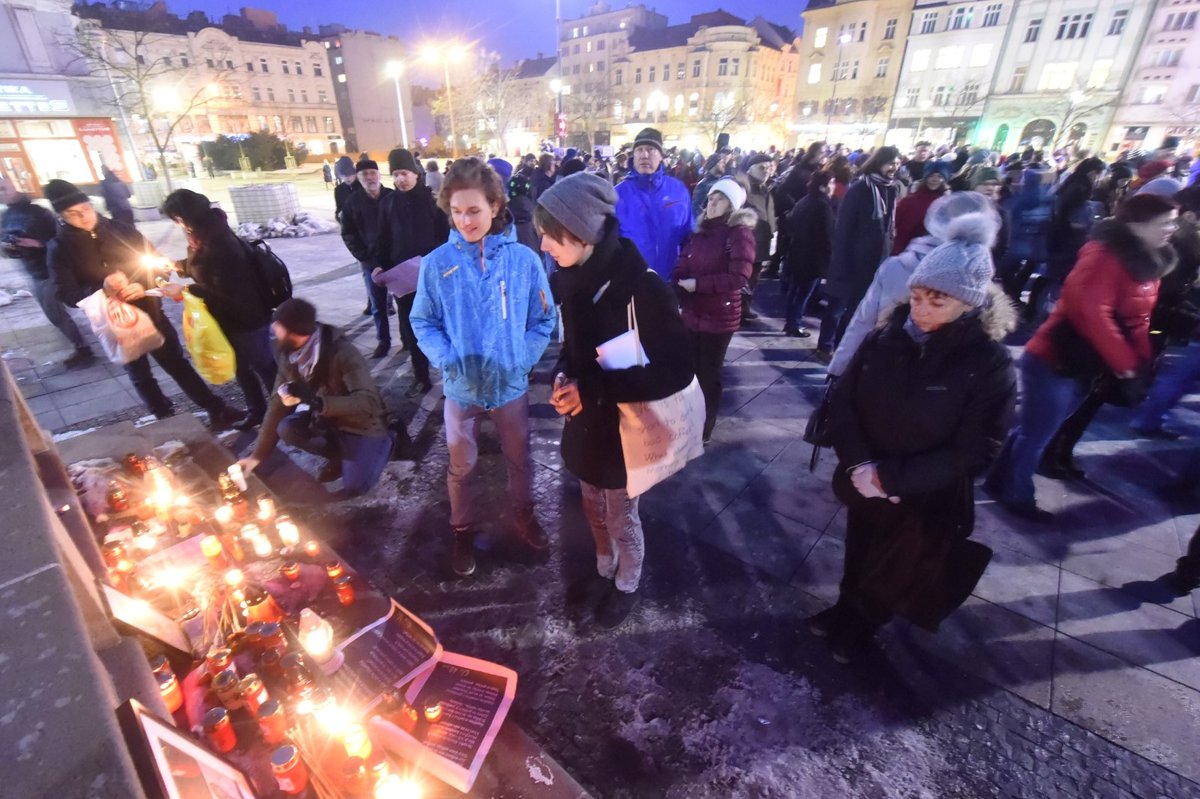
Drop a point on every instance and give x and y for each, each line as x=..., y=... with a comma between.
x=42, y=98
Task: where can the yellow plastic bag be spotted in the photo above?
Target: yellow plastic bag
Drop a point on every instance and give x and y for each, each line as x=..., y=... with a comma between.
x=206, y=343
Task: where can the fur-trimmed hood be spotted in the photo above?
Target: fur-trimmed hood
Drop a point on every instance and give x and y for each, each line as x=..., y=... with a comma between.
x=998, y=317
x=1139, y=261
x=743, y=217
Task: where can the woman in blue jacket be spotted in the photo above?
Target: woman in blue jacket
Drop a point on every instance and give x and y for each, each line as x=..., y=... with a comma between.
x=483, y=315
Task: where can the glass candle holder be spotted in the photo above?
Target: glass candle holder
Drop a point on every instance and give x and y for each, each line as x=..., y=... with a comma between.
x=272, y=722
x=290, y=772
x=219, y=729
x=172, y=694
x=344, y=588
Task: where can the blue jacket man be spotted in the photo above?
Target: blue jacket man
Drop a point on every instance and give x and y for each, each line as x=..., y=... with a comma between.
x=653, y=208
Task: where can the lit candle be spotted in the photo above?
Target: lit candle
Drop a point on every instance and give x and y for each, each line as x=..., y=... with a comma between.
x=172, y=695
x=266, y=509
x=290, y=570
x=334, y=569
x=312, y=549
x=344, y=588
x=234, y=578
x=357, y=742
x=262, y=546
x=237, y=476
x=210, y=545
x=316, y=636
x=433, y=710
x=289, y=533
x=394, y=787
x=224, y=514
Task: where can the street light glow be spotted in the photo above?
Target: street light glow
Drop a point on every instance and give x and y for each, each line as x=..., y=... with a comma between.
x=844, y=38
x=556, y=85
x=394, y=69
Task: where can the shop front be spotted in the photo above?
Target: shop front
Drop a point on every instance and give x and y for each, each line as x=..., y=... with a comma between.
x=41, y=139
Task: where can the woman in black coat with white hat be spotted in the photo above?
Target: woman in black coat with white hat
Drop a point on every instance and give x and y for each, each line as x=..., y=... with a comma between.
x=921, y=410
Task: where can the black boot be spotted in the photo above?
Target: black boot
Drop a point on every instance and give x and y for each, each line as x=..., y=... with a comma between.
x=462, y=555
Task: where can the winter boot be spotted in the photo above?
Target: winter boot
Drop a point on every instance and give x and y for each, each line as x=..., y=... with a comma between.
x=462, y=555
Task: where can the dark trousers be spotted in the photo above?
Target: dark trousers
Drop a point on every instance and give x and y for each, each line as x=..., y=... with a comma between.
x=861, y=533
x=709, y=351
x=1188, y=567
x=1059, y=450
x=171, y=358
x=838, y=313
x=255, y=367
x=57, y=313
x=796, y=296
x=378, y=297
x=363, y=458
x=420, y=364
x=748, y=292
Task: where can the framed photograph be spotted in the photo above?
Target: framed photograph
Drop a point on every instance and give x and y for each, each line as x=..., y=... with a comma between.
x=145, y=618
x=173, y=765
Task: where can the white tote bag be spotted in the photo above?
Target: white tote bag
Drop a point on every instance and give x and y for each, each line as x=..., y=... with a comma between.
x=125, y=331
x=659, y=437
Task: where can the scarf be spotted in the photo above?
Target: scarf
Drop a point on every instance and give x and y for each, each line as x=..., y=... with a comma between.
x=878, y=183
x=305, y=359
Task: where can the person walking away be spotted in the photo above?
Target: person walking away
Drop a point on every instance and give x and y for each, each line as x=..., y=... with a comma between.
x=543, y=178
x=218, y=262
x=345, y=422
x=713, y=273
x=1072, y=219
x=347, y=184
x=361, y=223
x=433, y=178
x=412, y=226
x=654, y=209
x=483, y=315
x=116, y=195
x=600, y=274
x=91, y=252
x=521, y=204
x=759, y=169
x=1029, y=211
x=911, y=209
x=862, y=239
x=327, y=174
x=809, y=229
x=1099, y=329
x=25, y=231
x=964, y=217
x=919, y=413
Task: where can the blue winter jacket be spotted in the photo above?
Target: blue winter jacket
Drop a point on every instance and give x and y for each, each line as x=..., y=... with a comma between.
x=655, y=212
x=483, y=315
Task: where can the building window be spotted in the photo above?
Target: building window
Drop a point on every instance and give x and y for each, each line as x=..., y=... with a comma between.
x=862, y=32
x=270, y=95
x=288, y=71
x=320, y=73
x=737, y=62
x=1033, y=31
x=600, y=45
x=991, y=15
x=949, y=57
x=262, y=122
x=651, y=77
x=1058, y=76
x=696, y=68
x=637, y=75
x=591, y=67
x=1116, y=25
x=814, y=73
x=587, y=47
x=881, y=67
x=566, y=51
x=262, y=65
x=960, y=18
x=637, y=108
x=211, y=64
x=1017, y=84
x=257, y=94
x=929, y=22
x=969, y=95
x=618, y=110
x=1099, y=74
x=618, y=78
x=229, y=64
x=297, y=125
x=1168, y=58
x=1074, y=26
x=820, y=37
x=291, y=95
x=575, y=50
x=1193, y=95
x=574, y=70
x=1153, y=95
x=329, y=125
x=299, y=68
x=249, y=64
x=322, y=96
x=679, y=71
x=723, y=67
x=666, y=72
x=167, y=60
x=920, y=61
x=981, y=55
x=694, y=104
x=342, y=78
x=574, y=33
x=304, y=95
x=911, y=98
x=1183, y=21
x=599, y=66
x=337, y=59
x=183, y=60
x=941, y=95
x=585, y=30
x=854, y=70
x=277, y=124
x=311, y=124
x=889, y=30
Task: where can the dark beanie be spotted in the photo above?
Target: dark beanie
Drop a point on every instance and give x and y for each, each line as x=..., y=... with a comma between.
x=366, y=163
x=343, y=167
x=62, y=195
x=582, y=203
x=401, y=158
x=649, y=136
x=297, y=316
x=570, y=167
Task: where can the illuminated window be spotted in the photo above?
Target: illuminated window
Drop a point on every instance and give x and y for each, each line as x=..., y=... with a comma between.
x=920, y=61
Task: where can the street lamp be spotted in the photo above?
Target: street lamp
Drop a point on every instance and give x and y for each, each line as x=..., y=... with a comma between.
x=394, y=70
x=556, y=86
x=843, y=40
x=446, y=55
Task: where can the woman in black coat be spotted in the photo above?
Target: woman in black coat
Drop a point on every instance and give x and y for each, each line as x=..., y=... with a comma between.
x=920, y=412
x=222, y=267
x=600, y=274
x=809, y=228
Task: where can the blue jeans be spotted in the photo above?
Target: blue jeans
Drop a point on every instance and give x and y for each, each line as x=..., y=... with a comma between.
x=1176, y=379
x=363, y=458
x=379, y=305
x=1047, y=399
x=255, y=367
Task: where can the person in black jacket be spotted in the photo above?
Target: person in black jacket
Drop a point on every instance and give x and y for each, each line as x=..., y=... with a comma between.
x=809, y=227
x=921, y=411
x=862, y=238
x=26, y=229
x=347, y=184
x=600, y=274
x=220, y=263
x=91, y=252
x=1072, y=219
x=411, y=225
x=361, y=223
x=116, y=197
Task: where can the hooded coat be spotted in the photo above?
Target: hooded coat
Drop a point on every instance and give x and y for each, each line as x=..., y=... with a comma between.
x=1107, y=299
x=910, y=216
x=932, y=416
x=720, y=256
x=220, y=264
x=655, y=212
x=595, y=297
x=483, y=315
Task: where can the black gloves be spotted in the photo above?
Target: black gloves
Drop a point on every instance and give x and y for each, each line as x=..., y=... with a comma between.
x=1131, y=391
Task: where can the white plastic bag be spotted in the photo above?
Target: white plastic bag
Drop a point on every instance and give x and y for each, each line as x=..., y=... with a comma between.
x=125, y=331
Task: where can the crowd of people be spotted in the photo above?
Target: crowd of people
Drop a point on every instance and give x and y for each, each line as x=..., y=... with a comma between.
x=919, y=271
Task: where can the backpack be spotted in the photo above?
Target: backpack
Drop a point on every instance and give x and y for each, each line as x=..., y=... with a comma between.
x=271, y=277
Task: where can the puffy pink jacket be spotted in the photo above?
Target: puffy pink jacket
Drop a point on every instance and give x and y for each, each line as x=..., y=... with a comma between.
x=719, y=255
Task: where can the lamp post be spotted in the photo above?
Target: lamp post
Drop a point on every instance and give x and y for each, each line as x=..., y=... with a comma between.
x=394, y=70
x=843, y=40
x=556, y=86
x=453, y=53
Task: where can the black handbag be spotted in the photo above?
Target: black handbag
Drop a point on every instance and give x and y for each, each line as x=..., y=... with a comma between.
x=816, y=431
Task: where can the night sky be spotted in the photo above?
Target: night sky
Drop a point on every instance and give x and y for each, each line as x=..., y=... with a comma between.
x=514, y=28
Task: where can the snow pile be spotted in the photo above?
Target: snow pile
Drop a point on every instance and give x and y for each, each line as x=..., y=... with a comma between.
x=300, y=226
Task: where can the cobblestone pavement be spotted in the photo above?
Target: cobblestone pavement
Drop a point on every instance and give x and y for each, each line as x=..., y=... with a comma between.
x=1069, y=674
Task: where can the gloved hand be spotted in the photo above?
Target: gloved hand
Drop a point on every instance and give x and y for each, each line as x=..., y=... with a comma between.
x=1132, y=390
x=306, y=394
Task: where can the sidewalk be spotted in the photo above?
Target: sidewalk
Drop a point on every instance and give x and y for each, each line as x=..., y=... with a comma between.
x=1065, y=675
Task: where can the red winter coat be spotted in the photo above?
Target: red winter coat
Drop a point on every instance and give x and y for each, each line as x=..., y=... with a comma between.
x=910, y=217
x=1108, y=298
x=719, y=255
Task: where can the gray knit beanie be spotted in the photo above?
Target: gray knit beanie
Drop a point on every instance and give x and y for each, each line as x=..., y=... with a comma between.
x=582, y=203
x=961, y=267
